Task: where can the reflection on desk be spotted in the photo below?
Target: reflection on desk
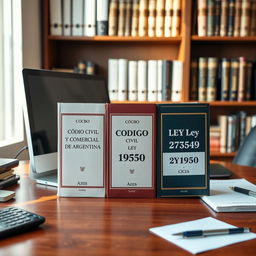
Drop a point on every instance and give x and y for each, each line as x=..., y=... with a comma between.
x=112, y=226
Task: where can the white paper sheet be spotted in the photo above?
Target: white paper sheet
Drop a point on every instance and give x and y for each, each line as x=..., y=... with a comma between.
x=198, y=245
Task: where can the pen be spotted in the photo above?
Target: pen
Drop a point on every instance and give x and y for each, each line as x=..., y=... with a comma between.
x=244, y=191
x=212, y=232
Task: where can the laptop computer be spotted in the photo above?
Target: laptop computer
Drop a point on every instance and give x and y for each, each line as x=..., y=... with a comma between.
x=43, y=89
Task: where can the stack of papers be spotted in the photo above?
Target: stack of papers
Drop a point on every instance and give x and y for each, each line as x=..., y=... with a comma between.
x=200, y=244
x=223, y=199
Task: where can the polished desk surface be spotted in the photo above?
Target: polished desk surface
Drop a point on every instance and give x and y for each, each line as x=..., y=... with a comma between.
x=112, y=226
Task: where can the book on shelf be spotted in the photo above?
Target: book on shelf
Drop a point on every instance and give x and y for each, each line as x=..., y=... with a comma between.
x=132, y=148
x=77, y=18
x=159, y=79
x=167, y=80
x=231, y=16
x=245, y=18
x=224, y=18
x=215, y=138
x=234, y=69
x=160, y=11
x=211, y=87
x=183, y=149
x=152, y=16
x=176, y=17
x=67, y=17
x=225, y=79
x=210, y=17
x=201, y=17
x=135, y=18
x=55, y=18
x=102, y=17
x=112, y=17
x=122, y=79
x=152, y=80
x=113, y=79
x=202, y=78
x=242, y=79
x=237, y=19
x=194, y=80
x=121, y=18
x=168, y=18
x=248, y=82
x=133, y=80
x=128, y=18
x=217, y=13
x=142, y=80
x=253, y=18
x=176, y=87
x=90, y=17
x=143, y=18
x=81, y=150
x=223, y=123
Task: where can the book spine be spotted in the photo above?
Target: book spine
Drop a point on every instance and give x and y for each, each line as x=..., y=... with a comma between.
x=122, y=79
x=245, y=18
x=152, y=18
x=253, y=18
x=135, y=18
x=142, y=80
x=176, y=18
x=112, y=18
x=55, y=18
x=212, y=79
x=102, y=17
x=159, y=79
x=242, y=79
x=231, y=127
x=225, y=79
x=241, y=117
x=217, y=17
x=128, y=18
x=90, y=17
x=67, y=17
x=160, y=5
x=248, y=85
x=77, y=18
x=168, y=18
x=152, y=80
x=210, y=17
x=231, y=15
x=167, y=80
x=194, y=80
x=253, y=92
x=202, y=78
x=234, y=79
x=132, y=143
x=201, y=17
x=223, y=133
x=121, y=17
x=132, y=81
x=113, y=79
x=177, y=70
x=237, y=20
x=248, y=125
x=143, y=18
x=224, y=18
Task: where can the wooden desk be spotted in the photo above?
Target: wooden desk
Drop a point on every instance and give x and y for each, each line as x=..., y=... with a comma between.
x=95, y=226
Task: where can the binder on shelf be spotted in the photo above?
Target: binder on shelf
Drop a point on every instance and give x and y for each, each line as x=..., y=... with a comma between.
x=183, y=149
x=132, y=80
x=55, y=18
x=67, y=17
x=132, y=133
x=122, y=79
x=90, y=17
x=177, y=74
x=113, y=79
x=159, y=79
x=102, y=17
x=142, y=80
x=167, y=80
x=81, y=150
x=152, y=80
x=77, y=18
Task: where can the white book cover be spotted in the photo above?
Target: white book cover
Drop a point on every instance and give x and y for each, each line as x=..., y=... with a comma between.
x=89, y=17
x=122, y=79
x=159, y=79
x=177, y=72
x=102, y=17
x=81, y=150
x=168, y=18
x=67, y=17
x=152, y=80
x=77, y=17
x=142, y=80
x=55, y=18
x=113, y=79
x=132, y=81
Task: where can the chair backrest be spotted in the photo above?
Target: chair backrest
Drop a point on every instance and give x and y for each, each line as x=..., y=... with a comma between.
x=246, y=154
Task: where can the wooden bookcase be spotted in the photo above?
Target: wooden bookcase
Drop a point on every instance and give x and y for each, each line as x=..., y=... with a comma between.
x=65, y=52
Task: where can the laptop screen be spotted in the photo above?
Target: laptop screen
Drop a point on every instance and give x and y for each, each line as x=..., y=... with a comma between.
x=43, y=89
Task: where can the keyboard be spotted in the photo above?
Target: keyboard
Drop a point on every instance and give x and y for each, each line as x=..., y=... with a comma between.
x=14, y=220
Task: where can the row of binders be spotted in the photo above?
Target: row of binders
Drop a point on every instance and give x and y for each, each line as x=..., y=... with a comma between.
x=133, y=150
x=230, y=132
x=226, y=17
x=160, y=18
x=141, y=80
x=223, y=79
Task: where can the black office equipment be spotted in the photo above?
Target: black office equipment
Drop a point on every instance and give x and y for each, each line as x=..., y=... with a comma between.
x=15, y=220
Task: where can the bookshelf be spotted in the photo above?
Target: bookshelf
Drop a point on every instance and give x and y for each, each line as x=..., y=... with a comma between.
x=66, y=51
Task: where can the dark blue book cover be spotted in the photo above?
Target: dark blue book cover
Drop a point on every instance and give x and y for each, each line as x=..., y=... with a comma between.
x=183, y=149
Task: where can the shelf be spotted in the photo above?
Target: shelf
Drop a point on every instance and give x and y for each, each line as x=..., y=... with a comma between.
x=222, y=155
x=119, y=39
x=228, y=39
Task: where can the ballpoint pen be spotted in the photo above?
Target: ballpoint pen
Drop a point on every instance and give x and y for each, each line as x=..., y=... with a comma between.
x=244, y=191
x=212, y=232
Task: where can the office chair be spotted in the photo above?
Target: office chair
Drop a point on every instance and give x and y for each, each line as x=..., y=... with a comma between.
x=246, y=154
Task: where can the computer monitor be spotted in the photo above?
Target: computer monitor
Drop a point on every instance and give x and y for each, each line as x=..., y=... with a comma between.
x=43, y=89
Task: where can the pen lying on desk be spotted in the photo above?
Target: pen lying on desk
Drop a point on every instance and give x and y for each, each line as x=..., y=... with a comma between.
x=244, y=191
x=212, y=232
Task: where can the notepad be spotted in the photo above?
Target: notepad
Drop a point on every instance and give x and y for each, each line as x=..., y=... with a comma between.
x=223, y=199
x=200, y=244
